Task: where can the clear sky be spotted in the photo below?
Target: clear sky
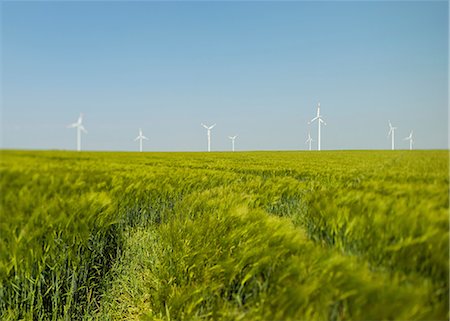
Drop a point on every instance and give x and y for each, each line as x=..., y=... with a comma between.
x=257, y=69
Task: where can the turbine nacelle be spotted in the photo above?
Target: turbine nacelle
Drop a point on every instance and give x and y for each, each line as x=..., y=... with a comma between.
x=391, y=128
x=319, y=121
x=392, y=134
x=410, y=137
x=318, y=117
x=208, y=127
x=80, y=128
x=78, y=123
x=232, y=141
x=411, y=140
x=141, y=136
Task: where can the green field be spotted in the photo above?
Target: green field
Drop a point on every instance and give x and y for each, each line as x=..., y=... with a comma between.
x=351, y=235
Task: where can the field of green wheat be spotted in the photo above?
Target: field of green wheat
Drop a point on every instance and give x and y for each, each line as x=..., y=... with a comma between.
x=352, y=235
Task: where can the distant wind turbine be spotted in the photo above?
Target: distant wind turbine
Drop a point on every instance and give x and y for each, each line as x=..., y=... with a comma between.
x=411, y=140
x=232, y=141
x=140, y=137
x=392, y=134
x=319, y=120
x=79, y=126
x=309, y=140
x=208, y=128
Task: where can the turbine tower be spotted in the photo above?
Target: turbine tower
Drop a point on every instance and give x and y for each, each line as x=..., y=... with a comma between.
x=79, y=126
x=309, y=140
x=392, y=134
x=411, y=140
x=140, y=137
x=208, y=128
x=319, y=121
x=232, y=141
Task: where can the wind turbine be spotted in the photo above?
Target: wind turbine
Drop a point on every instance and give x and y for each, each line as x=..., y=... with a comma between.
x=392, y=134
x=140, y=137
x=309, y=140
x=209, y=134
x=319, y=120
x=232, y=141
x=79, y=126
x=411, y=140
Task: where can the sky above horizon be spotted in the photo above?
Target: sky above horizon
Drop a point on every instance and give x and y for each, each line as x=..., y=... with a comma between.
x=257, y=69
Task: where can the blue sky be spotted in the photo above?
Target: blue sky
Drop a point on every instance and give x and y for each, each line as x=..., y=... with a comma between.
x=257, y=69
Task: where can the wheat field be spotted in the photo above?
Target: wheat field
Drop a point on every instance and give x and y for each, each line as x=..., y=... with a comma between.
x=348, y=235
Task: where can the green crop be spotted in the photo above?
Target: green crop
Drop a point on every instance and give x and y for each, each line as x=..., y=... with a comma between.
x=224, y=236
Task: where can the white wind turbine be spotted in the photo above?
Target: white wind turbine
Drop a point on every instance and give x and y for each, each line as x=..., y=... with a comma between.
x=208, y=128
x=319, y=120
x=232, y=141
x=411, y=140
x=140, y=137
x=392, y=134
x=79, y=126
x=309, y=140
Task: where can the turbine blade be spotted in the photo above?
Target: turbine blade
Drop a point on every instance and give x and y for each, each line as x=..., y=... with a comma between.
x=212, y=126
x=144, y=137
x=312, y=120
x=83, y=129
